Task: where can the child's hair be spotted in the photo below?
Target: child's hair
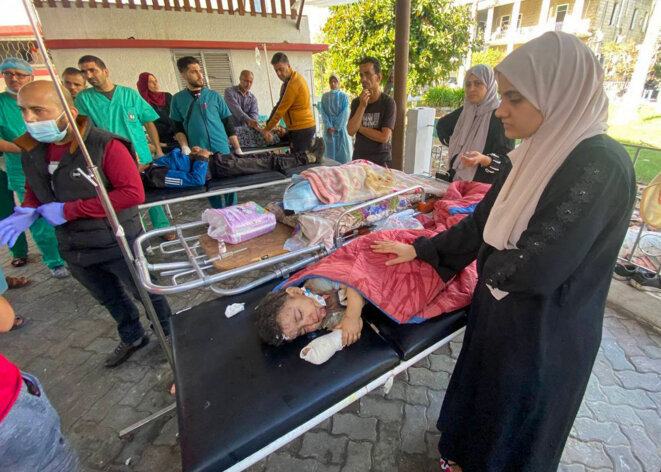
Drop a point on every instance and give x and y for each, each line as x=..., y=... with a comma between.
x=267, y=317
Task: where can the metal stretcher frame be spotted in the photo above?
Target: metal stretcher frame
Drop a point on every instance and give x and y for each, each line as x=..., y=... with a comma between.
x=195, y=266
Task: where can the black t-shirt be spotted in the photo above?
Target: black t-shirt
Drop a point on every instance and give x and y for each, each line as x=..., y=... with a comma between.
x=378, y=115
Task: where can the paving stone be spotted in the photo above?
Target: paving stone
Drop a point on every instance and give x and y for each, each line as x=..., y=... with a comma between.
x=422, y=363
x=427, y=378
x=455, y=348
x=590, y=454
x=594, y=392
x=324, y=447
x=413, y=429
x=286, y=463
x=643, y=448
x=634, y=380
x=100, y=409
x=434, y=408
x=432, y=444
x=169, y=434
x=121, y=417
x=387, y=447
x=646, y=364
x=354, y=426
x=622, y=396
x=442, y=363
x=620, y=414
x=604, y=371
x=571, y=468
x=159, y=458
x=257, y=467
x=411, y=394
x=324, y=425
x=615, y=355
x=105, y=454
x=590, y=430
x=102, y=345
x=623, y=459
x=359, y=457
x=652, y=422
x=384, y=410
x=417, y=463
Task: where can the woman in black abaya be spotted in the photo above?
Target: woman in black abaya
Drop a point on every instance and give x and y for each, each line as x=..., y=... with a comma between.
x=546, y=237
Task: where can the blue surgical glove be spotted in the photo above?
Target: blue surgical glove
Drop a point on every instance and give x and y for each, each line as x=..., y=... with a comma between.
x=12, y=226
x=53, y=213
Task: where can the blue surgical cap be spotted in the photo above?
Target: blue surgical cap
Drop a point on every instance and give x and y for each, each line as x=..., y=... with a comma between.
x=16, y=63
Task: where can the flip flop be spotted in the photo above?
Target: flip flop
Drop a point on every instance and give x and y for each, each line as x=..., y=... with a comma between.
x=16, y=282
x=19, y=261
x=19, y=322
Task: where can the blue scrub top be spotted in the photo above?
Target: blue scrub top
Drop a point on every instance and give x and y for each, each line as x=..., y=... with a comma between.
x=203, y=125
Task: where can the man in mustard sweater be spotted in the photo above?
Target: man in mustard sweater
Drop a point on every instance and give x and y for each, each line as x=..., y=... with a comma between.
x=294, y=107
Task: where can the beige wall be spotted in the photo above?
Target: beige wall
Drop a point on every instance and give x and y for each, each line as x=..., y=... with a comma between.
x=123, y=23
x=126, y=64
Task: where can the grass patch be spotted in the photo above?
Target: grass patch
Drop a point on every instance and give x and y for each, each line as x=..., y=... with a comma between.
x=645, y=131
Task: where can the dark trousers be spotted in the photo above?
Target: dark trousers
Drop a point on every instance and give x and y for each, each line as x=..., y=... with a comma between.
x=106, y=282
x=231, y=165
x=301, y=139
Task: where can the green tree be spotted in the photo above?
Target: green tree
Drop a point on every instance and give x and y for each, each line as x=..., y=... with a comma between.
x=491, y=57
x=439, y=38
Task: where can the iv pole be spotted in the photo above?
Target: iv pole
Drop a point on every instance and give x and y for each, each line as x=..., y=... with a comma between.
x=117, y=228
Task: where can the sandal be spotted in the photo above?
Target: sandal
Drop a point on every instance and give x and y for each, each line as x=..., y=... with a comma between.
x=19, y=261
x=19, y=322
x=16, y=282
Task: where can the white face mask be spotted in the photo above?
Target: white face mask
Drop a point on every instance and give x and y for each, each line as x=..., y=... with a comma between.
x=318, y=298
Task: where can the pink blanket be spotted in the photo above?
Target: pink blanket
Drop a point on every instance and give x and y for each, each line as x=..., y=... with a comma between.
x=361, y=180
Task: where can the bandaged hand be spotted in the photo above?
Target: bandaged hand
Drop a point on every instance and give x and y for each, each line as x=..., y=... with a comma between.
x=351, y=326
x=12, y=226
x=404, y=252
x=185, y=150
x=320, y=349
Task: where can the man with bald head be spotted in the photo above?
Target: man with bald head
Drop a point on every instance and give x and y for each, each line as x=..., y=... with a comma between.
x=16, y=72
x=57, y=190
x=242, y=102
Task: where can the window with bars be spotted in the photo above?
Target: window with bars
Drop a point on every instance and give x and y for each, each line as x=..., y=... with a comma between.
x=634, y=17
x=216, y=65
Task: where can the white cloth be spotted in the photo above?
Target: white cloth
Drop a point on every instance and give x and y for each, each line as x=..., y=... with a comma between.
x=561, y=77
x=233, y=309
x=320, y=349
x=470, y=132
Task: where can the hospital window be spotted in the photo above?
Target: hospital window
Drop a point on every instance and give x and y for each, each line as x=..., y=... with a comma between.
x=216, y=65
x=643, y=25
x=634, y=17
x=504, y=22
x=561, y=12
x=616, y=7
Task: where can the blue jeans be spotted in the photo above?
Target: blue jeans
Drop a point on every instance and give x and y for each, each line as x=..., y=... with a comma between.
x=30, y=435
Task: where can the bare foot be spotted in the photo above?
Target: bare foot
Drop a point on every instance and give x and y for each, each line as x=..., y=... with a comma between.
x=173, y=389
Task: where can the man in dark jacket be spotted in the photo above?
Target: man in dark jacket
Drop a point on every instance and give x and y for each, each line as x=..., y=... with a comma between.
x=57, y=190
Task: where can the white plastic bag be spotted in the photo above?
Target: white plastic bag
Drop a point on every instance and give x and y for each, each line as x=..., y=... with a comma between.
x=238, y=223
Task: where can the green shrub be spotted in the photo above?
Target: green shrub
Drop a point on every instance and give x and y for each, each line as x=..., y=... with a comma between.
x=490, y=57
x=444, y=97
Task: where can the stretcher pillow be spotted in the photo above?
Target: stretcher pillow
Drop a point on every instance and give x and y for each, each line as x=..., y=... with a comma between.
x=236, y=395
x=411, y=339
x=244, y=180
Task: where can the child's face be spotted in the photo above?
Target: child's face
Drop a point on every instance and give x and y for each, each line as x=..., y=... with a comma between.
x=300, y=314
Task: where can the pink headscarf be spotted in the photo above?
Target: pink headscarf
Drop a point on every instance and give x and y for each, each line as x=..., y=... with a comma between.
x=156, y=99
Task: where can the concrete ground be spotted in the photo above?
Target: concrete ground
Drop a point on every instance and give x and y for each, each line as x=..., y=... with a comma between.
x=68, y=336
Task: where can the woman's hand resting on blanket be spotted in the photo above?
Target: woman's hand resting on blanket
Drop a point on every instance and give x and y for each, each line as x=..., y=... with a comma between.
x=404, y=252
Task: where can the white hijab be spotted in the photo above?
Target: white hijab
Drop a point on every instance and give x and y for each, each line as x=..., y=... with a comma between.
x=470, y=132
x=560, y=76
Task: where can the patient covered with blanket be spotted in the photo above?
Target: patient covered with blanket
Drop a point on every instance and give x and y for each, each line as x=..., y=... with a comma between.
x=331, y=293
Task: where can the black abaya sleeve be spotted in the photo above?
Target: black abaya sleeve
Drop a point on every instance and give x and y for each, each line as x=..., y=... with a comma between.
x=446, y=124
x=577, y=207
x=452, y=250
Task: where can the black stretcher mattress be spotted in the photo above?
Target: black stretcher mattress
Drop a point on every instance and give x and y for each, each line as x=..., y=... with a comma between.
x=236, y=395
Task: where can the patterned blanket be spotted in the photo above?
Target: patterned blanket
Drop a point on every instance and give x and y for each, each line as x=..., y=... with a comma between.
x=361, y=180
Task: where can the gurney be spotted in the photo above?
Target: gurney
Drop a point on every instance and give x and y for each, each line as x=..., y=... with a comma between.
x=240, y=400
x=215, y=187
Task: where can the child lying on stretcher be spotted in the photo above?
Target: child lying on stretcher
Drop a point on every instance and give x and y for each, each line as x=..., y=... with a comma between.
x=320, y=304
